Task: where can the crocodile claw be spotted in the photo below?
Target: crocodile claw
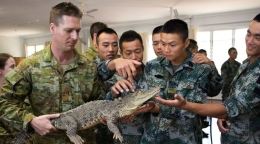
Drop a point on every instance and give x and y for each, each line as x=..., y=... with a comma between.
x=118, y=137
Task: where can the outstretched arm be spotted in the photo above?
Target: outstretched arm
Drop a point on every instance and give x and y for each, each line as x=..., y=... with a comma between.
x=124, y=67
x=213, y=110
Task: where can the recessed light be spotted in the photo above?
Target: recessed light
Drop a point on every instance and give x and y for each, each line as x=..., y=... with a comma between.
x=37, y=20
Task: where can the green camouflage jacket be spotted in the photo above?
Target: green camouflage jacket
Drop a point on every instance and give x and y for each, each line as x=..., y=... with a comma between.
x=41, y=79
x=173, y=125
x=228, y=72
x=243, y=106
x=91, y=53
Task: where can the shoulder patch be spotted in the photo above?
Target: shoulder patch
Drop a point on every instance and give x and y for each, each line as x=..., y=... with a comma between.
x=13, y=77
x=10, y=74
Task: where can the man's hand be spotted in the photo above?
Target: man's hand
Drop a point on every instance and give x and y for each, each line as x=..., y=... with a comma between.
x=178, y=102
x=104, y=121
x=124, y=67
x=121, y=86
x=148, y=107
x=42, y=124
x=129, y=119
x=223, y=125
x=201, y=58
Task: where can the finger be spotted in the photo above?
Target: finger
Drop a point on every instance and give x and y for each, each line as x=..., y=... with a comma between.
x=126, y=85
x=159, y=99
x=130, y=74
x=178, y=97
x=104, y=122
x=52, y=116
x=228, y=123
x=114, y=90
x=137, y=63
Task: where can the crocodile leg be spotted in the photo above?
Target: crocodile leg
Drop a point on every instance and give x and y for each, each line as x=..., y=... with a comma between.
x=113, y=128
x=71, y=125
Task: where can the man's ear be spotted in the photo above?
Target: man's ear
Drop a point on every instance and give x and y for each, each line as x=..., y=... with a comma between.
x=1, y=71
x=96, y=47
x=187, y=42
x=52, y=28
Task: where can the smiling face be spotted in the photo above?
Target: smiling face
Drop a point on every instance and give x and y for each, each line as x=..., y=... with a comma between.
x=174, y=47
x=107, y=46
x=132, y=50
x=253, y=40
x=66, y=33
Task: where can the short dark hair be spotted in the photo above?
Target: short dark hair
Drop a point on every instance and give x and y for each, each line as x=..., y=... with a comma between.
x=176, y=26
x=202, y=51
x=157, y=30
x=3, y=58
x=129, y=36
x=193, y=44
x=230, y=49
x=61, y=9
x=96, y=27
x=257, y=18
x=107, y=31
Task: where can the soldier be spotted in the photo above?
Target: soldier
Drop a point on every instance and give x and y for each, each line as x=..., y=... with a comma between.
x=131, y=47
x=241, y=108
x=55, y=80
x=174, y=73
x=193, y=46
x=228, y=71
x=216, y=81
x=7, y=63
x=107, y=48
x=156, y=41
x=91, y=52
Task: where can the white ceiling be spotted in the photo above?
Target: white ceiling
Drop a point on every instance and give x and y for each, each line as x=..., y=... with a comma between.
x=30, y=17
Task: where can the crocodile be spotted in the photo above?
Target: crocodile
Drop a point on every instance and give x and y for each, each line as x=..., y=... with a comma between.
x=91, y=114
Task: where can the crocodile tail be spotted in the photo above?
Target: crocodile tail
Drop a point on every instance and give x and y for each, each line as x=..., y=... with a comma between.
x=22, y=138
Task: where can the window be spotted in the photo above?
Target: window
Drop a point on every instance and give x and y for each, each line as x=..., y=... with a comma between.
x=217, y=43
x=33, y=49
x=222, y=41
x=204, y=42
x=240, y=44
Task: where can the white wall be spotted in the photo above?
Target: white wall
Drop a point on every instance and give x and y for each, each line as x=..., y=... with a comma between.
x=201, y=22
x=37, y=39
x=230, y=20
x=12, y=45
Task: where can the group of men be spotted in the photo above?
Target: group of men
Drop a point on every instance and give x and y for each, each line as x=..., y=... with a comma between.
x=58, y=79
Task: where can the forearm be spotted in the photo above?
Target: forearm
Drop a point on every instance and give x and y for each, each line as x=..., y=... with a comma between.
x=212, y=110
x=106, y=70
x=11, y=101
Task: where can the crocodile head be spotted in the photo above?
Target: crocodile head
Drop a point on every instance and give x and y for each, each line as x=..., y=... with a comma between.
x=134, y=100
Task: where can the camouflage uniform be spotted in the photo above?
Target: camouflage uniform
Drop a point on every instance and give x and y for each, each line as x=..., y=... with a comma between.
x=40, y=78
x=5, y=136
x=243, y=106
x=216, y=82
x=228, y=72
x=131, y=132
x=215, y=87
x=173, y=125
x=91, y=53
x=103, y=135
